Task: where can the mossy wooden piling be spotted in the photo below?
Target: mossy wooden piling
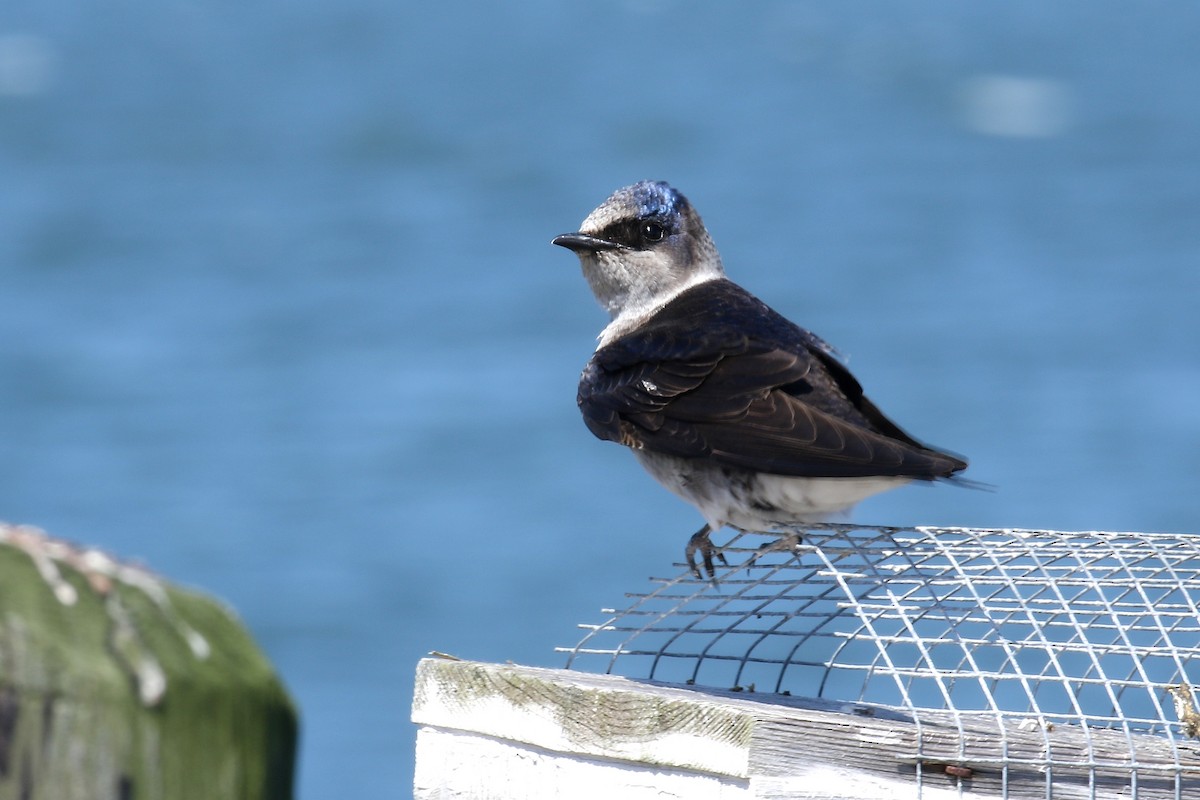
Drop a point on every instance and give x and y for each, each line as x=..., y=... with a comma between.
x=116, y=684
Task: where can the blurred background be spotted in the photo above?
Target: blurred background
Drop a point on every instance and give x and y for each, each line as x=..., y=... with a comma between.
x=280, y=317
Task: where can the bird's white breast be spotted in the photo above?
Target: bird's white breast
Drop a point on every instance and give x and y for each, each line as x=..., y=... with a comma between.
x=758, y=500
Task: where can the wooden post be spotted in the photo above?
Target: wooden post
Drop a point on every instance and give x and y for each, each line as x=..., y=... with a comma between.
x=502, y=731
x=115, y=684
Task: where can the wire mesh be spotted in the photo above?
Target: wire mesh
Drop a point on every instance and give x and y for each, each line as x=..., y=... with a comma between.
x=1031, y=630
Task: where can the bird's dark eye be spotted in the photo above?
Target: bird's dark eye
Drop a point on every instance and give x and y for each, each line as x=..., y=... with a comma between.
x=652, y=231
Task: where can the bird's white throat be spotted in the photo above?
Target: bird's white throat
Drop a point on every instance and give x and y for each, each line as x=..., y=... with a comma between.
x=638, y=310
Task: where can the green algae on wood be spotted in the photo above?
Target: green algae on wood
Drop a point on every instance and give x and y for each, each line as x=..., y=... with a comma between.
x=116, y=684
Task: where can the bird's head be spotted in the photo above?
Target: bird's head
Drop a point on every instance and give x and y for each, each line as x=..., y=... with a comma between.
x=641, y=247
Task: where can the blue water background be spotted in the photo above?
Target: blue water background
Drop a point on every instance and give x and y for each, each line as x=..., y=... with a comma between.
x=281, y=319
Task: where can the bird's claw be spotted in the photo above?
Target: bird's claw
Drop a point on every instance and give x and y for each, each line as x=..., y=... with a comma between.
x=788, y=543
x=700, y=542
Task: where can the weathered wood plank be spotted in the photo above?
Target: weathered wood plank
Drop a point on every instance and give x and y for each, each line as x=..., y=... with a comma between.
x=456, y=764
x=587, y=716
x=791, y=747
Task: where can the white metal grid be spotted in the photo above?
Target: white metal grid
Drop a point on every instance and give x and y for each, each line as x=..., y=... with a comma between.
x=1029, y=630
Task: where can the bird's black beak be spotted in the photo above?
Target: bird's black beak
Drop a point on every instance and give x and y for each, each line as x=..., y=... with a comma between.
x=581, y=243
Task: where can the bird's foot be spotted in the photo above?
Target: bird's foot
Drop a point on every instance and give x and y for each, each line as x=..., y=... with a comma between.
x=788, y=543
x=702, y=544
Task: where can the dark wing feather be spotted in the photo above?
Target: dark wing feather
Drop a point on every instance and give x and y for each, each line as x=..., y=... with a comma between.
x=717, y=374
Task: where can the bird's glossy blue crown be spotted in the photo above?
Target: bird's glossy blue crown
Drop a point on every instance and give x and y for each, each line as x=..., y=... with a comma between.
x=656, y=199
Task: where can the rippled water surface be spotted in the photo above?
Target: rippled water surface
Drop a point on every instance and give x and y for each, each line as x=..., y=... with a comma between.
x=281, y=317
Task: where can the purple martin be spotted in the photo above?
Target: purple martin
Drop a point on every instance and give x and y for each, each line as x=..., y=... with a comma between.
x=745, y=415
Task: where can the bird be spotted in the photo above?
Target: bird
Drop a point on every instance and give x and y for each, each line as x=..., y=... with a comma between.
x=749, y=417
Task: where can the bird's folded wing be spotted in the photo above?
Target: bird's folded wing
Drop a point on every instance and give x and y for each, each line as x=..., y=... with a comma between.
x=769, y=410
